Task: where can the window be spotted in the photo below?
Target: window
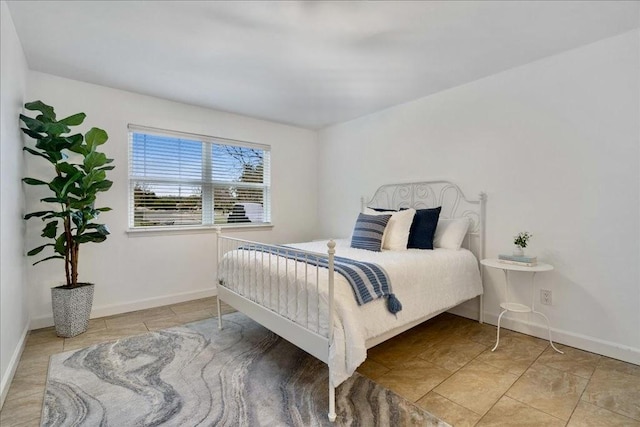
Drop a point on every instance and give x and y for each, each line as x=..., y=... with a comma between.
x=180, y=180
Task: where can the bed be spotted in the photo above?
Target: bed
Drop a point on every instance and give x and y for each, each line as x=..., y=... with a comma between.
x=295, y=291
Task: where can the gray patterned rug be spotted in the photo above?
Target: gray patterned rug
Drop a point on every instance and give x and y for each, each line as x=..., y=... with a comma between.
x=196, y=375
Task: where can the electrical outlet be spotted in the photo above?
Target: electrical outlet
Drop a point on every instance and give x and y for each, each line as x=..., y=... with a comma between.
x=545, y=296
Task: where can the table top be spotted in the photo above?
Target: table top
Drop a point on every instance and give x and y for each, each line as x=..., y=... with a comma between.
x=494, y=263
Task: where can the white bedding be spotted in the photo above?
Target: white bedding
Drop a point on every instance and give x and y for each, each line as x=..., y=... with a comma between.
x=425, y=282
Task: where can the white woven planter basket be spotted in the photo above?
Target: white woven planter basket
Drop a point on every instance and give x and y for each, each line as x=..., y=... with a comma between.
x=71, y=309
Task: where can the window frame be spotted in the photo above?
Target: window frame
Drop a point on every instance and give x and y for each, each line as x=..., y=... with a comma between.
x=207, y=186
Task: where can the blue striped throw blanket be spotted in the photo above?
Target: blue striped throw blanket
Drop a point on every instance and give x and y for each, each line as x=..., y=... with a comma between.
x=368, y=281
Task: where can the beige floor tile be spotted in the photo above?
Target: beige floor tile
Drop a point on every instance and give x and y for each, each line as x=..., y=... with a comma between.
x=42, y=336
x=394, y=353
x=613, y=365
x=541, y=342
x=573, y=361
x=106, y=335
x=588, y=415
x=26, y=386
x=452, y=353
x=135, y=317
x=372, y=370
x=447, y=410
x=477, y=386
x=23, y=411
x=514, y=354
x=97, y=324
x=47, y=348
x=197, y=305
x=614, y=391
x=414, y=379
x=509, y=412
x=178, y=320
x=549, y=390
x=482, y=333
x=35, y=365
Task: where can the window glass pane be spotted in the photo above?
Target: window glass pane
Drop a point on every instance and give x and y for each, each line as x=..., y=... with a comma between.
x=161, y=156
x=191, y=180
x=164, y=204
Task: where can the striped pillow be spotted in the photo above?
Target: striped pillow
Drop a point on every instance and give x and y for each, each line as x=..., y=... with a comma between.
x=368, y=232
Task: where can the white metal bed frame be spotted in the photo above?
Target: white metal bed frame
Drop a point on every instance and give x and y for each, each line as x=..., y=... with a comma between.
x=418, y=195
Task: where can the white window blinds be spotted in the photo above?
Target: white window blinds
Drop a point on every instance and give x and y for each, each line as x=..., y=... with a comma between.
x=179, y=179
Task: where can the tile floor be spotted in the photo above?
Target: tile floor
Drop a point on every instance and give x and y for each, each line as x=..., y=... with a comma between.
x=444, y=365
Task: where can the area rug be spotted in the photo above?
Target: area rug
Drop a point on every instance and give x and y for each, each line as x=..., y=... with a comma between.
x=197, y=375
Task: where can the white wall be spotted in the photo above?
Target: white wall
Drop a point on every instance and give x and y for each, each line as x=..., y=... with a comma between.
x=555, y=144
x=14, y=314
x=143, y=270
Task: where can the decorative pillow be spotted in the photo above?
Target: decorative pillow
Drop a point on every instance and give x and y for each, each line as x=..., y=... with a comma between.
x=369, y=231
x=423, y=228
x=397, y=233
x=450, y=233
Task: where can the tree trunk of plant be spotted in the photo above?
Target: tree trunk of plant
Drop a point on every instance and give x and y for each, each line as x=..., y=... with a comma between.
x=74, y=263
x=69, y=240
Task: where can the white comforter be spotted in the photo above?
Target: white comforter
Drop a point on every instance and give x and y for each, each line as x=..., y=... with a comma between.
x=425, y=282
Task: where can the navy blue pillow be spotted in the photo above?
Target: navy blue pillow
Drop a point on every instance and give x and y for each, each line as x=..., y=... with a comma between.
x=423, y=228
x=368, y=232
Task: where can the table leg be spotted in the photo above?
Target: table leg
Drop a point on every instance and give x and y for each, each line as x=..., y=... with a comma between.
x=498, y=334
x=548, y=329
x=533, y=310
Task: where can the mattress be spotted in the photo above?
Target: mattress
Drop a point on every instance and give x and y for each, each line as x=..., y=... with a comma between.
x=425, y=281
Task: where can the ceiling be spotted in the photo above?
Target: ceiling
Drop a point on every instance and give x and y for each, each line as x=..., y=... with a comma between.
x=309, y=64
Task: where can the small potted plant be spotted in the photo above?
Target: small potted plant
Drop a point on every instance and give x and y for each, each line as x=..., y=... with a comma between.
x=521, y=240
x=79, y=174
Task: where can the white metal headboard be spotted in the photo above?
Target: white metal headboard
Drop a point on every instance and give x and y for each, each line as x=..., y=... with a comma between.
x=431, y=194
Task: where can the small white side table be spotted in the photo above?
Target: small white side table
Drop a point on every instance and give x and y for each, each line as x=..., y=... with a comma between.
x=514, y=306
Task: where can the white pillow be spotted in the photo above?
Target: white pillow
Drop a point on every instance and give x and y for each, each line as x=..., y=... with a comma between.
x=396, y=235
x=450, y=233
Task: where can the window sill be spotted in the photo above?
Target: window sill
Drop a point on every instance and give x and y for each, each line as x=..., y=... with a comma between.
x=158, y=231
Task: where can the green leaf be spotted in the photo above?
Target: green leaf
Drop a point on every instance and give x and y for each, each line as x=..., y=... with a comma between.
x=57, y=184
x=48, y=258
x=61, y=244
x=90, y=237
x=82, y=203
x=95, y=137
x=37, y=214
x=106, y=168
x=100, y=228
x=33, y=124
x=50, y=230
x=104, y=209
x=37, y=153
x=74, y=120
x=52, y=200
x=33, y=181
x=45, y=109
x=56, y=128
x=71, y=181
x=66, y=168
x=94, y=160
x=78, y=218
x=93, y=176
x=37, y=250
x=100, y=186
x=32, y=134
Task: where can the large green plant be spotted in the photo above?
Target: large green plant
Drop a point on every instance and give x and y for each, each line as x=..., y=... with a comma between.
x=80, y=174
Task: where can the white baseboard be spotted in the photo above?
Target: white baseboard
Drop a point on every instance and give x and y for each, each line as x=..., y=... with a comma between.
x=111, y=309
x=583, y=342
x=13, y=365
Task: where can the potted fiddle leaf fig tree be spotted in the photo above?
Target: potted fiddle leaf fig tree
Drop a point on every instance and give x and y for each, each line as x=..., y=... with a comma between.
x=79, y=173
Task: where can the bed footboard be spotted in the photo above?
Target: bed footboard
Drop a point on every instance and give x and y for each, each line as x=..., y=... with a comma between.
x=254, y=278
